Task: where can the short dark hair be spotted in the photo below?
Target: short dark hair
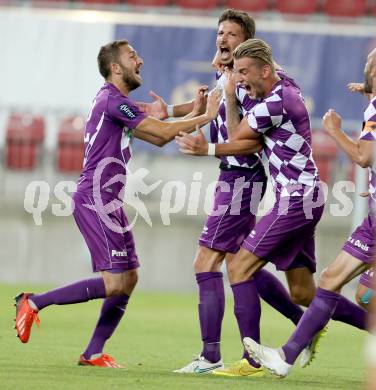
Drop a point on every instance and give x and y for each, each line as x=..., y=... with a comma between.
x=107, y=54
x=246, y=22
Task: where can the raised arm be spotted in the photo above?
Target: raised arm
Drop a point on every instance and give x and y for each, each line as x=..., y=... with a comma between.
x=159, y=133
x=159, y=109
x=232, y=111
x=360, y=152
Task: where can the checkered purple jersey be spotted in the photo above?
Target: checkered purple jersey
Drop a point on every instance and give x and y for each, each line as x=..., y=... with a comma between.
x=282, y=118
x=218, y=127
x=108, y=135
x=369, y=134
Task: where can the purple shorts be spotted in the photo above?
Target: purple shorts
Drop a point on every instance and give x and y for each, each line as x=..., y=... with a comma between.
x=286, y=236
x=367, y=278
x=236, y=202
x=108, y=237
x=361, y=243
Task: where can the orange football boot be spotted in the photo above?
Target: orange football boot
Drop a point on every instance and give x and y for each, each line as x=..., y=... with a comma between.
x=102, y=361
x=25, y=317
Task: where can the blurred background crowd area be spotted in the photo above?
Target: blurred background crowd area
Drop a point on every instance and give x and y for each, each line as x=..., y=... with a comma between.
x=269, y=8
x=48, y=78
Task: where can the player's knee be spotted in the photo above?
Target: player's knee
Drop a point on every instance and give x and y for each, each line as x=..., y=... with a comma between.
x=328, y=280
x=234, y=272
x=301, y=296
x=121, y=285
x=208, y=260
x=131, y=280
x=114, y=288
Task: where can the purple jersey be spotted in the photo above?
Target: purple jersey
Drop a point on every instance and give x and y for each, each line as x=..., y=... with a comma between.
x=282, y=118
x=108, y=135
x=369, y=134
x=218, y=127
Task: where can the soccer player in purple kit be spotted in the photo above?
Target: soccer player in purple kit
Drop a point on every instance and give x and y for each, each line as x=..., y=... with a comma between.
x=285, y=236
x=357, y=254
x=223, y=234
x=111, y=124
x=243, y=174
x=365, y=292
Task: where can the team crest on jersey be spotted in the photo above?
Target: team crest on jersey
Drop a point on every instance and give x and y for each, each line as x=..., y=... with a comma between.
x=125, y=110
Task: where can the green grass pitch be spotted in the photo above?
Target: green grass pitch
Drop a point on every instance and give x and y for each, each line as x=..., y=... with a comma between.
x=159, y=333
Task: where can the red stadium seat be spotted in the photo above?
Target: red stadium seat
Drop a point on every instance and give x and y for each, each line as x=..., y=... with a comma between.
x=70, y=152
x=248, y=5
x=199, y=4
x=24, y=137
x=302, y=7
x=99, y=1
x=149, y=3
x=324, y=151
x=349, y=8
x=372, y=6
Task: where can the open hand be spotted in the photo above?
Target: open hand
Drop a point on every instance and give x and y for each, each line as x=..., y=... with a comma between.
x=157, y=109
x=356, y=87
x=193, y=145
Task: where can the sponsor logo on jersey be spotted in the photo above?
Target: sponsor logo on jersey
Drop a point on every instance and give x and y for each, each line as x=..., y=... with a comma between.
x=359, y=244
x=125, y=110
x=118, y=253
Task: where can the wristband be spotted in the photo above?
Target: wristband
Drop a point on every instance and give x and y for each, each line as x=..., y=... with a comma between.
x=170, y=110
x=211, y=149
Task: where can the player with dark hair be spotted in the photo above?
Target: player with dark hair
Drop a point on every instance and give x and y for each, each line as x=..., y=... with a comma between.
x=284, y=237
x=112, y=123
x=357, y=254
x=241, y=184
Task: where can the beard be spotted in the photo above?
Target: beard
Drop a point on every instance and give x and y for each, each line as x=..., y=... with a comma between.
x=131, y=82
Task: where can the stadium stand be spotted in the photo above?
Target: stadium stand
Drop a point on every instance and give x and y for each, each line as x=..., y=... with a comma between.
x=150, y=3
x=303, y=7
x=248, y=5
x=70, y=149
x=24, y=139
x=197, y=4
x=325, y=154
x=345, y=8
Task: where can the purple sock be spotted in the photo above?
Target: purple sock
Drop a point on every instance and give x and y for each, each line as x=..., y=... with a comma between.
x=112, y=311
x=272, y=291
x=211, y=309
x=81, y=291
x=350, y=313
x=247, y=311
x=313, y=320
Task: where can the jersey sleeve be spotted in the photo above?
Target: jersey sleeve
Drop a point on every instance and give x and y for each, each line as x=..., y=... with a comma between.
x=125, y=111
x=369, y=124
x=266, y=115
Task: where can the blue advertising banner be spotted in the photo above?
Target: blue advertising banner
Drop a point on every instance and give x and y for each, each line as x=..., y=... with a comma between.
x=178, y=59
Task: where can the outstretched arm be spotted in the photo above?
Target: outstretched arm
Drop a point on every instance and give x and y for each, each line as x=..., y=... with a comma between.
x=159, y=133
x=159, y=109
x=360, y=152
x=198, y=146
